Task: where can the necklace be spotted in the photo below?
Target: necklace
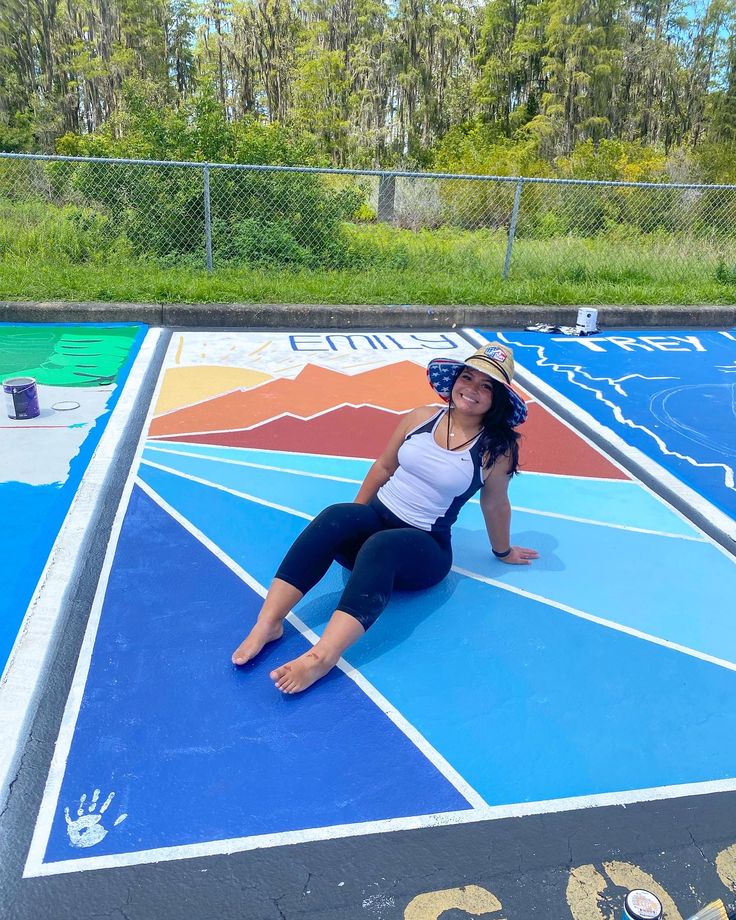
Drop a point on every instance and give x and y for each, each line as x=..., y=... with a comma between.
x=451, y=434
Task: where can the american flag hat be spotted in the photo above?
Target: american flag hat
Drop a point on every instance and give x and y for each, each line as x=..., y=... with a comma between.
x=494, y=359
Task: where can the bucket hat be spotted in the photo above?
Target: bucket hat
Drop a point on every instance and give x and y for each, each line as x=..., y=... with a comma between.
x=495, y=360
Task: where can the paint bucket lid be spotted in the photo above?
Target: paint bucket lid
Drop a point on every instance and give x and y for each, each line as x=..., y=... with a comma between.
x=642, y=905
x=19, y=383
x=65, y=405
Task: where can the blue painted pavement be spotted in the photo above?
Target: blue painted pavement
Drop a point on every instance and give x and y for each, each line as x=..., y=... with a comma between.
x=458, y=662
x=500, y=668
x=196, y=749
x=671, y=394
x=638, y=579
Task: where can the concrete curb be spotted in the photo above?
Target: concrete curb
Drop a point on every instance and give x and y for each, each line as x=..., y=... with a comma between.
x=341, y=316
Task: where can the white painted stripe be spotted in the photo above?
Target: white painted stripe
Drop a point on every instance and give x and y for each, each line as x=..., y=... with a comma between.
x=552, y=514
x=695, y=538
x=419, y=741
x=255, y=466
x=670, y=482
x=74, y=700
x=600, y=621
x=235, y=492
x=35, y=645
x=255, y=450
x=624, y=481
x=337, y=832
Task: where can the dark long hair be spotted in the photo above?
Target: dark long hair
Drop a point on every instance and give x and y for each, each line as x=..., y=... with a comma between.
x=497, y=436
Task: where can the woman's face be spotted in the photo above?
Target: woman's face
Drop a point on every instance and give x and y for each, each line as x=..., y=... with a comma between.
x=473, y=392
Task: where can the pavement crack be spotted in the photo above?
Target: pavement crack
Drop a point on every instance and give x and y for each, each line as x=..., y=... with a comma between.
x=26, y=751
x=276, y=904
x=699, y=849
x=305, y=890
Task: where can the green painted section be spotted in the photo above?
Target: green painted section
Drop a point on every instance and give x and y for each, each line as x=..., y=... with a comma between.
x=69, y=356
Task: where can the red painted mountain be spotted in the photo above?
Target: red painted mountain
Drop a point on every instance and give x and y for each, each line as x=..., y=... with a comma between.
x=400, y=387
x=548, y=446
x=344, y=432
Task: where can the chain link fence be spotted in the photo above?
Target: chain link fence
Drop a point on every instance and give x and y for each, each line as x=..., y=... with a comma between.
x=287, y=218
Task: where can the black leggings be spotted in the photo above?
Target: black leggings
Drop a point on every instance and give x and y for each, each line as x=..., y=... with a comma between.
x=382, y=550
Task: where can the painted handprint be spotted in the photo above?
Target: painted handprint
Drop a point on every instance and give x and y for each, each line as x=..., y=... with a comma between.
x=86, y=829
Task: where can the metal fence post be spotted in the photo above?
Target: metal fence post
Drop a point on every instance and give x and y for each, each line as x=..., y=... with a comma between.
x=512, y=229
x=207, y=217
x=386, y=198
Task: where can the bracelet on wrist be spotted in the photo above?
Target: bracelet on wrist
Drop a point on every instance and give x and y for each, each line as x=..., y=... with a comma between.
x=501, y=555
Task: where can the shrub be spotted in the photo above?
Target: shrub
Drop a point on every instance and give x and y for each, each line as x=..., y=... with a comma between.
x=69, y=233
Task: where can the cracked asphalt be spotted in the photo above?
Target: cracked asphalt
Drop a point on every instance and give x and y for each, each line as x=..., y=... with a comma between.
x=529, y=864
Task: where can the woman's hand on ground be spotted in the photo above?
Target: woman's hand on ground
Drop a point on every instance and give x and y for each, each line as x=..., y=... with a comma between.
x=520, y=555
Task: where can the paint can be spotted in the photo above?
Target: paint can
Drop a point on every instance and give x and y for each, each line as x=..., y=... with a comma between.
x=21, y=397
x=642, y=905
x=587, y=322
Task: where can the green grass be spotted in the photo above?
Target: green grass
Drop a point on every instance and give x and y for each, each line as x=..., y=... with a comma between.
x=73, y=254
x=137, y=282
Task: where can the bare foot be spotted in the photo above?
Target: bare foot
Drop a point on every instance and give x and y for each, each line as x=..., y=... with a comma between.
x=302, y=672
x=262, y=633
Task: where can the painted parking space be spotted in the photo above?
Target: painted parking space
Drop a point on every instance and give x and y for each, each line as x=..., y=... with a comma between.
x=483, y=697
x=80, y=371
x=669, y=393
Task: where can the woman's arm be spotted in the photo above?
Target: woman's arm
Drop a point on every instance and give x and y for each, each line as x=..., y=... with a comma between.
x=496, y=508
x=387, y=464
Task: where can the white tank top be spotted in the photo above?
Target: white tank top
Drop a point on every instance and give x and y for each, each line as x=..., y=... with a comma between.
x=431, y=483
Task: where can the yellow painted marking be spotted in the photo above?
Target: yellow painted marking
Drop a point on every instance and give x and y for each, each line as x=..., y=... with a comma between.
x=185, y=386
x=628, y=876
x=726, y=867
x=473, y=899
x=586, y=891
x=177, y=360
x=585, y=887
x=261, y=347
